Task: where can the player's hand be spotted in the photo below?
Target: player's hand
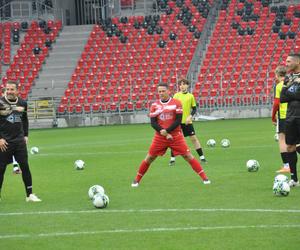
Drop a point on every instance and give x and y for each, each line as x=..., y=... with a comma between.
x=26, y=139
x=163, y=132
x=286, y=80
x=169, y=137
x=188, y=120
x=3, y=145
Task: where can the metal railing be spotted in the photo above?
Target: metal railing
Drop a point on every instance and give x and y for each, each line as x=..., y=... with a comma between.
x=41, y=109
x=29, y=10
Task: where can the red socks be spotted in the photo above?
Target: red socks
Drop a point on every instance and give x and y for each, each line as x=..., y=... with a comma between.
x=198, y=169
x=142, y=170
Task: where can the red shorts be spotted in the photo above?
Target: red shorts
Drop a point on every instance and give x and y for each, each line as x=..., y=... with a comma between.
x=160, y=145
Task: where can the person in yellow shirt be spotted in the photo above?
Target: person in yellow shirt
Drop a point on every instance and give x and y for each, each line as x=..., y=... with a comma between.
x=189, y=109
x=278, y=117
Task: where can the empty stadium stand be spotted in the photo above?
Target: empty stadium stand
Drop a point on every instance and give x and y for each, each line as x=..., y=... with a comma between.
x=114, y=66
x=124, y=59
x=244, y=51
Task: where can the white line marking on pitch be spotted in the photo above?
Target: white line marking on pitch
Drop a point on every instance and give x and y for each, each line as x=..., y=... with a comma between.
x=183, y=210
x=141, y=230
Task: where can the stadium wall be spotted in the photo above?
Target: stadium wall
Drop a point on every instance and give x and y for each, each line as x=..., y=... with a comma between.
x=140, y=117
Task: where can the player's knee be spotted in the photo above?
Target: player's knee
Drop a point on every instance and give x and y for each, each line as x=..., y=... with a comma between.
x=188, y=157
x=149, y=159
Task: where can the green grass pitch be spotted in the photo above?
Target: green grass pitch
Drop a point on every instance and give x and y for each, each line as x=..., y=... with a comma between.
x=171, y=209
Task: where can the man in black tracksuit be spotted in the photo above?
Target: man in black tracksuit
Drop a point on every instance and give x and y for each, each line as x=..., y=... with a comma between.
x=291, y=94
x=14, y=136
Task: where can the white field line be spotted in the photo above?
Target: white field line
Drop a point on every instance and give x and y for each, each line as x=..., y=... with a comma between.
x=142, y=230
x=133, y=151
x=160, y=210
x=89, y=153
x=102, y=143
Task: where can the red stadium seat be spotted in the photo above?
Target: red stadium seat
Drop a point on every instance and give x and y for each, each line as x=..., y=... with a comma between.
x=61, y=109
x=96, y=107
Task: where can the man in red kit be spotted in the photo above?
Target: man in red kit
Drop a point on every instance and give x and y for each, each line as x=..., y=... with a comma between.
x=166, y=115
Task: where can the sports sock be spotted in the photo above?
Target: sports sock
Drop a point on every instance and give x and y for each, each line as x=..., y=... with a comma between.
x=2, y=171
x=14, y=161
x=292, y=156
x=26, y=176
x=284, y=158
x=198, y=169
x=142, y=170
x=172, y=155
x=298, y=149
x=199, y=151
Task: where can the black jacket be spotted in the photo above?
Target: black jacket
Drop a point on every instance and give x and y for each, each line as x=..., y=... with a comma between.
x=13, y=120
x=291, y=94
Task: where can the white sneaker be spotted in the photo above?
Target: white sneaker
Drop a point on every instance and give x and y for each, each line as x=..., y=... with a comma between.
x=134, y=184
x=33, y=198
x=206, y=182
x=293, y=183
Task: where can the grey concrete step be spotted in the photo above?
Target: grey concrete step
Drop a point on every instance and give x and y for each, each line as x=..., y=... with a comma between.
x=48, y=83
x=61, y=63
x=46, y=93
x=57, y=69
x=78, y=28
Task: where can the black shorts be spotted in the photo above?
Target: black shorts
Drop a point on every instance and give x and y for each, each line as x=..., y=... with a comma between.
x=16, y=149
x=292, y=131
x=187, y=130
x=280, y=128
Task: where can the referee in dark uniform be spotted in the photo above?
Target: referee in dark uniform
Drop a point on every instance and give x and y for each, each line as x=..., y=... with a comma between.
x=291, y=94
x=14, y=136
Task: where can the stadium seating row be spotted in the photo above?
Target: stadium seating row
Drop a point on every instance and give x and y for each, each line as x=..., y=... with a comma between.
x=31, y=54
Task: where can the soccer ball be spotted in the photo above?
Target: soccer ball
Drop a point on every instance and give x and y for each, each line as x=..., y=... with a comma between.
x=34, y=150
x=211, y=143
x=281, y=178
x=79, y=164
x=100, y=200
x=96, y=189
x=281, y=188
x=225, y=143
x=276, y=137
x=252, y=165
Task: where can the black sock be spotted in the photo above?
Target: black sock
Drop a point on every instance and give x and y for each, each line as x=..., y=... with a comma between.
x=199, y=151
x=26, y=176
x=292, y=156
x=172, y=155
x=298, y=149
x=2, y=172
x=284, y=157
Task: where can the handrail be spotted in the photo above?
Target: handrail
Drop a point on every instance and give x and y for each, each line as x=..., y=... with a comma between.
x=42, y=11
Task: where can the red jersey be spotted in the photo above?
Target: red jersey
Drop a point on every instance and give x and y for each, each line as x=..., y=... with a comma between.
x=166, y=113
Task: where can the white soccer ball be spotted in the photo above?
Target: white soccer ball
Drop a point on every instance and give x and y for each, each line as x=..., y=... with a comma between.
x=281, y=188
x=34, y=150
x=276, y=137
x=100, y=201
x=281, y=178
x=211, y=143
x=225, y=143
x=252, y=165
x=79, y=164
x=96, y=189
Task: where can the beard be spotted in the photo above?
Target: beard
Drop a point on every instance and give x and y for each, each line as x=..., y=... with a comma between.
x=11, y=97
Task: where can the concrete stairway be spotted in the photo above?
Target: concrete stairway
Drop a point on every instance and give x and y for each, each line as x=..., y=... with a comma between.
x=56, y=73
